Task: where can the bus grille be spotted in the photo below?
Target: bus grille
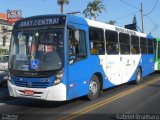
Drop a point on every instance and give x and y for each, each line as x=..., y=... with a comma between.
x=32, y=84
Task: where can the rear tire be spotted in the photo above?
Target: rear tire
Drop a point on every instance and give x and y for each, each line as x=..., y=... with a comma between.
x=94, y=88
x=139, y=76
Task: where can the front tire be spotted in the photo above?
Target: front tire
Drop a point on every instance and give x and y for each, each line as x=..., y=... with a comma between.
x=94, y=88
x=139, y=76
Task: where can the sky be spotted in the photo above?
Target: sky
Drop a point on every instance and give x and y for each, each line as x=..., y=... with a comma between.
x=122, y=11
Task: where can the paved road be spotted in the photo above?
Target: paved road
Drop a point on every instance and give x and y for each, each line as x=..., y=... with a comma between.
x=116, y=103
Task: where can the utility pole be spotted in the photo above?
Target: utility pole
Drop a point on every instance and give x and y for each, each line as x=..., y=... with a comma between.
x=142, y=17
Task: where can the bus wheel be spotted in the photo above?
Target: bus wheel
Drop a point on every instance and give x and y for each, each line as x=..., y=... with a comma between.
x=139, y=76
x=94, y=88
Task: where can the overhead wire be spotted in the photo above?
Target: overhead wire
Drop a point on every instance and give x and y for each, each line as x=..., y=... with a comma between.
x=130, y=5
x=127, y=15
x=146, y=15
x=155, y=25
x=152, y=9
x=133, y=13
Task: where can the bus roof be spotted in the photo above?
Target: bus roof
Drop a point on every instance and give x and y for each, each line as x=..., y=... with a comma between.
x=50, y=19
x=114, y=28
x=150, y=37
x=76, y=20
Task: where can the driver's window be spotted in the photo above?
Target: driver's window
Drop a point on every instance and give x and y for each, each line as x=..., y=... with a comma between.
x=80, y=43
x=71, y=46
x=77, y=45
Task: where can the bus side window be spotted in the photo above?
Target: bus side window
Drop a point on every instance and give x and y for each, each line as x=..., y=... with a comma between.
x=143, y=45
x=71, y=48
x=96, y=37
x=150, y=46
x=124, y=43
x=112, y=47
x=80, y=44
x=135, y=48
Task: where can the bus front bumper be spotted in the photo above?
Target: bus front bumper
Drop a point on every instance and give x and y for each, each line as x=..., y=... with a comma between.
x=54, y=93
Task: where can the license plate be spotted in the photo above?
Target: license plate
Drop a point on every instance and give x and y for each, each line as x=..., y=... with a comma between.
x=29, y=92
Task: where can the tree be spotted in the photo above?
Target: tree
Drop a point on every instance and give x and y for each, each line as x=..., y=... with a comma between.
x=61, y=3
x=94, y=9
x=112, y=22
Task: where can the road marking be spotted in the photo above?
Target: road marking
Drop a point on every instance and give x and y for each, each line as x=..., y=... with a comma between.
x=106, y=101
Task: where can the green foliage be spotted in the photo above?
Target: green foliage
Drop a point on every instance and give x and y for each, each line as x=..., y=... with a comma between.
x=94, y=9
x=112, y=22
x=4, y=51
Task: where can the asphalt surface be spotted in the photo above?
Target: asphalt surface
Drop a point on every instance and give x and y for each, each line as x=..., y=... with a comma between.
x=127, y=101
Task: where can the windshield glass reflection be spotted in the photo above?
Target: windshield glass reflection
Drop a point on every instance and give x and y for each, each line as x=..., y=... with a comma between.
x=41, y=50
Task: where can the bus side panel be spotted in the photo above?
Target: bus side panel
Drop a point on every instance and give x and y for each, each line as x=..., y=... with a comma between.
x=113, y=68
x=147, y=64
x=135, y=66
x=104, y=68
x=78, y=79
x=80, y=74
x=122, y=68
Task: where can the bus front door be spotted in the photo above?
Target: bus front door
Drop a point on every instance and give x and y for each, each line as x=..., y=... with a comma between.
x=77, y=62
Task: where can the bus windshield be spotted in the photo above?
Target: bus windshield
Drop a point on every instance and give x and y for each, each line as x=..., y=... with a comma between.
x=37, y=50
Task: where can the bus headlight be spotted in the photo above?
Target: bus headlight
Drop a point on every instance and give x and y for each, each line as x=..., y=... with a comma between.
x=58, y=77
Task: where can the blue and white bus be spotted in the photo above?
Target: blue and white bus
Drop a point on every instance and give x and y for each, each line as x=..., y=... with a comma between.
x=62, y=57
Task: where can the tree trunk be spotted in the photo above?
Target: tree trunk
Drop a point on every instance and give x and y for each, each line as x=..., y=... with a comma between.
x=62, y=8
x=94, y=17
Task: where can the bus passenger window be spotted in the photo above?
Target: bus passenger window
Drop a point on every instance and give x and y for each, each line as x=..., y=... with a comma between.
x=99, y=48
x=150, y=46
x=124, y=43
x=96, y=37
x=112, y=47
x=143, y=45
x=135, y=48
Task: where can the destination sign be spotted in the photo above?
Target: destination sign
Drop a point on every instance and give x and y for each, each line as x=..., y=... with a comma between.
x=40, y=21
x=125, y=31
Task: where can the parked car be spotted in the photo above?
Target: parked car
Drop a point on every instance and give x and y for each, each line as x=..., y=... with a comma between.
x=4, y=62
